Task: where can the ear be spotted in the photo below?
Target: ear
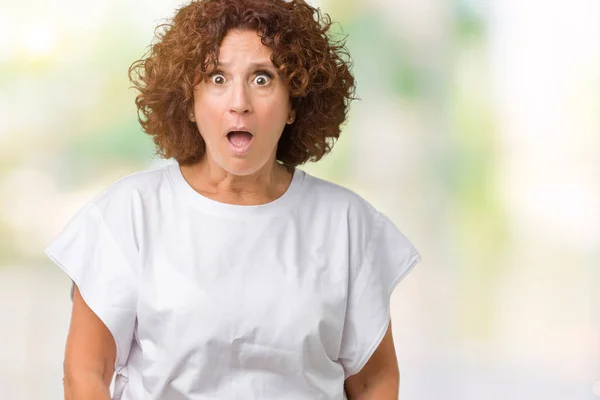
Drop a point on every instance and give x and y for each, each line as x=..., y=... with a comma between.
x=291, y=117
x=190, y=114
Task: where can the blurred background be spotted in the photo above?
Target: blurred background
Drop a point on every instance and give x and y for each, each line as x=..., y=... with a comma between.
x=477, y=132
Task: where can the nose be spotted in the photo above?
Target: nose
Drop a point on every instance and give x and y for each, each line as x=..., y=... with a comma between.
x=240, y=102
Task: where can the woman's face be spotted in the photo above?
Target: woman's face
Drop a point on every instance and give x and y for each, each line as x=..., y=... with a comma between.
x=242, y=108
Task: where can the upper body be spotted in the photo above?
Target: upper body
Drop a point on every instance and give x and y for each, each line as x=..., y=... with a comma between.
x=232, y=273
x=209, y=300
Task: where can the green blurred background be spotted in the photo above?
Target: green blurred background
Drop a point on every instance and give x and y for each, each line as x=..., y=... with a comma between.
x=477, y=132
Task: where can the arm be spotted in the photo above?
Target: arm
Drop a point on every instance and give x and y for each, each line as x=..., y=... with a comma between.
x=89, y=356
x=380, y=378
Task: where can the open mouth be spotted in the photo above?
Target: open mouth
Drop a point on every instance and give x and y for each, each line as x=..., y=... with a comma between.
x=240, y=140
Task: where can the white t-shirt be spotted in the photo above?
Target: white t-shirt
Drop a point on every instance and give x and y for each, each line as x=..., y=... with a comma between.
x=208, y=300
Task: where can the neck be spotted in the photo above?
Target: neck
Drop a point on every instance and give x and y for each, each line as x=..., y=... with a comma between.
x=263, y=186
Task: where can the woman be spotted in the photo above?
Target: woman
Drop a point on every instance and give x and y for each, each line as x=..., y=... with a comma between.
x=231, y=273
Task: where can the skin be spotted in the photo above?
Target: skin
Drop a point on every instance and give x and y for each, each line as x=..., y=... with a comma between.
x=379, y=379
x=89, y=355
x=246, y=91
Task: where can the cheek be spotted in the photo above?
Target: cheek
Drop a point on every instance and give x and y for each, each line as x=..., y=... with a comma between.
x=278, y=110
x=208, y=117
x=204, y=106
x=283, y=114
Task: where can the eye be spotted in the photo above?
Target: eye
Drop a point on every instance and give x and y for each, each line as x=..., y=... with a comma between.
x=217, y=79
x=262, y=78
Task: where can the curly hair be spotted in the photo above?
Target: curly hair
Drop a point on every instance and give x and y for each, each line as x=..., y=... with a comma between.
x=314, y=66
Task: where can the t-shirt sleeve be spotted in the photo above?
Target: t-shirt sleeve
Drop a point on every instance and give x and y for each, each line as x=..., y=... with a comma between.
x=87, y=251
x=388, y=258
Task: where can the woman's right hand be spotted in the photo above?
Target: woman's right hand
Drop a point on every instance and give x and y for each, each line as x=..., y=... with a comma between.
x=89, y=355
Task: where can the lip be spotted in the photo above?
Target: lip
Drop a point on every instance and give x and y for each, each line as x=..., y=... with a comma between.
x=238, y=128
x=237, y=150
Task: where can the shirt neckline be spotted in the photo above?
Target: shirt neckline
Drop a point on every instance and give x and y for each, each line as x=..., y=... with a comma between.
x=235, y=210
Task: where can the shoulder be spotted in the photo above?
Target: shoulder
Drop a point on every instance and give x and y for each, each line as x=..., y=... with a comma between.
x=133, y=189
x=123, y=204
x=325, y=197
x=334, y=195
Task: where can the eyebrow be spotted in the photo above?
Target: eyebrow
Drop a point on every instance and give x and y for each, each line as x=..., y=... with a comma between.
x=254, y=65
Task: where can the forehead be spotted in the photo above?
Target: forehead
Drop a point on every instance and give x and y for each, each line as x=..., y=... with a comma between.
x=243, y=45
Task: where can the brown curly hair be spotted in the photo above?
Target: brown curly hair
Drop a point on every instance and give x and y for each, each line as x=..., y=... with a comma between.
x=314, y=66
